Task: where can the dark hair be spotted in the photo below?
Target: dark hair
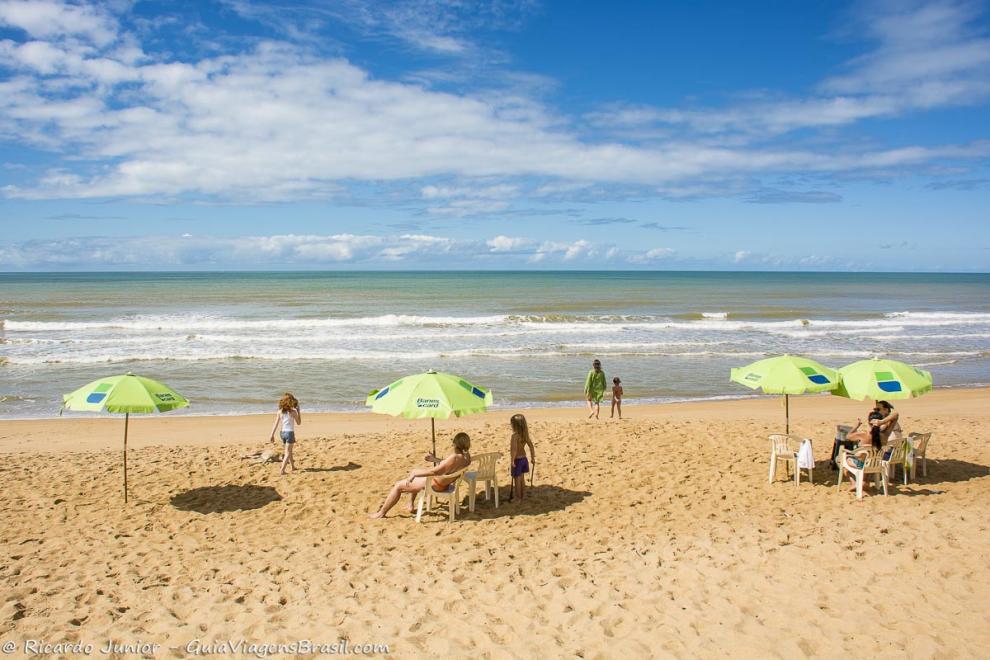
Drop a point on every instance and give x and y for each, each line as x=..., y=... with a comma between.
x=462, y=442
x=616, y=380
x=596, y=363
x=885, y=404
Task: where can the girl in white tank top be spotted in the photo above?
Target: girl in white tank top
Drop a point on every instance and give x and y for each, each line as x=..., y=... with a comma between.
x=288, y=417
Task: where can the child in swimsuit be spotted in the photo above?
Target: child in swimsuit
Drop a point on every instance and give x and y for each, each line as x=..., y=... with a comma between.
x=616, y=397
x=517, y=452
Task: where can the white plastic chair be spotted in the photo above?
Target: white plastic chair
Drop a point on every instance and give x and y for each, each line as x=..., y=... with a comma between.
x=452, y=494
x=872, y=465
x=482, y=469
x=897, y=457
x=919, y=444
x=782, y=448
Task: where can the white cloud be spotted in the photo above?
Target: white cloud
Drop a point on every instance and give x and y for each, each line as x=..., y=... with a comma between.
x=507, y=243
x=288, y=250
x=280, y=123
x=653, y=255
x=928, y=54
x=795, y=261
x=569, y=251
x=48, y=19
x=499, y=191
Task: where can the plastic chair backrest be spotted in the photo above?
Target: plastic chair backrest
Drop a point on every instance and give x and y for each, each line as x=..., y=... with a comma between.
x=872, y=460
x=781, y=444
x=920, y=441
x=896, y=453
x=484, y=464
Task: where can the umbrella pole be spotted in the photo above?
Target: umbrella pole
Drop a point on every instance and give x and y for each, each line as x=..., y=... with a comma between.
x=433, y=430
x=127, y=417
x=787, y=414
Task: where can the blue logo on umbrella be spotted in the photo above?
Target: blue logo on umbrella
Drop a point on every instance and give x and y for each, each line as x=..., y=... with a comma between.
x=887, y=382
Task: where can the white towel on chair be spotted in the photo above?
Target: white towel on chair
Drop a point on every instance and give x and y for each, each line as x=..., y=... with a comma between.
x=806, y=457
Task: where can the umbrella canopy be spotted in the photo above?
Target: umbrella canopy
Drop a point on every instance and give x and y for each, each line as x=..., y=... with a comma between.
x=432, y=394
x=786, y=374
x=124, y=394
x=882, y=379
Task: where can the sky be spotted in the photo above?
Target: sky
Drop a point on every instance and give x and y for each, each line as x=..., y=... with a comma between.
x=448, y=134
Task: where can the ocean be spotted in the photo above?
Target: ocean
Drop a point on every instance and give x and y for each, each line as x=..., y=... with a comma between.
x=233, y=342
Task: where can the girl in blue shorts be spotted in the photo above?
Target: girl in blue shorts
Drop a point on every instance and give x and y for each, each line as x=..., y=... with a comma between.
x=288, y=417
x=517, y=452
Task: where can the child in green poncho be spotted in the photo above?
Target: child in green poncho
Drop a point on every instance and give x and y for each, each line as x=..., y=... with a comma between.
x=594, y=388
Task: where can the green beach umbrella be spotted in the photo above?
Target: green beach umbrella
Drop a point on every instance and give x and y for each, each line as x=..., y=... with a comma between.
x=124, y=394
x=882, y=379
x=432, y=394
x=786, y=374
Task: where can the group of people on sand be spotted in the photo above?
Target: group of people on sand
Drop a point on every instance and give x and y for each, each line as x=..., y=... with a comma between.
x=288, y=417
x=437, y=477
x=881, y=433
x=594, y=391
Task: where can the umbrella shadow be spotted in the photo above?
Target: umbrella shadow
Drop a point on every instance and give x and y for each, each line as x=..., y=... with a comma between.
x=224, y=499
x=539, y=500
x=351, y=465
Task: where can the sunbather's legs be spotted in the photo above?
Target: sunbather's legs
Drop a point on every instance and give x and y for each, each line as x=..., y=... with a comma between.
x=402, y=486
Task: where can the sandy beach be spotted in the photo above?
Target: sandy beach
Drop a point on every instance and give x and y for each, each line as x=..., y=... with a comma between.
x=657, y=535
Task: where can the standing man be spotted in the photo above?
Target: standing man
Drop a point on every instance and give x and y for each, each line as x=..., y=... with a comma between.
x=594, y=388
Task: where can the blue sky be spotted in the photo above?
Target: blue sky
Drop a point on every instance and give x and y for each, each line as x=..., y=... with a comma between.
x=442, y=134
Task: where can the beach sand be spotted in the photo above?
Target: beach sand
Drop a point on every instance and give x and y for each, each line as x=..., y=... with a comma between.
x=654, y=536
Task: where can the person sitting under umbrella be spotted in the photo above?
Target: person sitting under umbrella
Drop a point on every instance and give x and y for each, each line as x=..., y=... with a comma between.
x=432, y=477
x=855, y=436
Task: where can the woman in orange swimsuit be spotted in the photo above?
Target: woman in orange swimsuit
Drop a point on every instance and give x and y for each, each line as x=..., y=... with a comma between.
x=420, y=477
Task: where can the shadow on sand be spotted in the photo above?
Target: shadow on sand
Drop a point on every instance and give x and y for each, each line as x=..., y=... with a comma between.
x=336, y=468
x=222, y=499
x=940, y=471
x=539, y=500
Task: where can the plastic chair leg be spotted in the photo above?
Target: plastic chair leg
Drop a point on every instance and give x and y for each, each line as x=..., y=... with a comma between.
x=419, y=507
x=773, y=468
x=472, y=494
x=495, y=490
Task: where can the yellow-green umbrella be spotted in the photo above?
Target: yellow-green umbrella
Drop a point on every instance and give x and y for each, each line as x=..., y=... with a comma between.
x=432, y=394
x=124, y=394
x=786, y=374
x=882, y=379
